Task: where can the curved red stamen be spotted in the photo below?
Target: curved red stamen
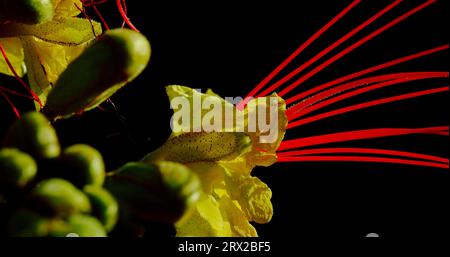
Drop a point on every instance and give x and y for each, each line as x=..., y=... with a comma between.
x=300, y=49
x=15, y=93
x=350, y=85
x=320, y=151
x=365, y=105
x=297, y=111
x=16, y=112
x=124, y=15
x=36, y=98
x=125, y=10
x=329, y=48
x=361, y=159
x=353, y=47
x=356, y=135
x=316, y=89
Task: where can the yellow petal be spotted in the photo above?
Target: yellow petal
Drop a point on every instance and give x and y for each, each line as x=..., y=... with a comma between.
x=236, y=218
x=205, y=220
x=37, y=78
x=200, y=147
x=69, y=31
x=45, y=62
x=55, y=58
x=14, y=52
x=224, y=169
x=264, y=154
x=255, y=201
x=252, y=194
x=67, y=8
x=210, y=173
x=195, y=99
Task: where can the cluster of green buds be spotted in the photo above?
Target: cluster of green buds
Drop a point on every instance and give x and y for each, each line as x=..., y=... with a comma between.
x=49, y=191
x=73, y=67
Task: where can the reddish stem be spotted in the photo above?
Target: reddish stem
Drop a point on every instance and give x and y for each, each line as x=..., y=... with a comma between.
x=36, y=98
x=100, y=16
x=15, y=93
x=124, y=15
x=125, y=9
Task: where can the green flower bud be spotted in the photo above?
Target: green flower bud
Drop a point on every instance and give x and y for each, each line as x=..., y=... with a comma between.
x=59, y=197
x=17, y=169
x=34, y=134
x=163, y=191
x=115, y=59
x=79, y=225
x=104, y=206
x=83, y=165
x=26, y=11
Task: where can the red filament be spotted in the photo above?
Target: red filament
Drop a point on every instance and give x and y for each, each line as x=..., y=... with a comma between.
x=300, y=49
x=35, y=97
x=356, y=135
x=365, y=105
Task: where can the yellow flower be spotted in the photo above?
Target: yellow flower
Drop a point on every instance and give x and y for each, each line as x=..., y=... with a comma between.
x=232, y=197
x=43, y=51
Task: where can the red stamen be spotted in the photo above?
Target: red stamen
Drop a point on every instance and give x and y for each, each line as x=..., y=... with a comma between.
x=101, y=17
x=350, y=85
x=124, y=15
x=329, y=48
x=296, y=111
x=364, y=72
x=88, y=3
x=361, y=159
x=16, y=112
x=300, y=49
x=125, y=9
x=352, y=47
x=36, y=98
x=365, y=105
x=356, y=135
x=101, y=108
x=15, y=93
x=425, y=157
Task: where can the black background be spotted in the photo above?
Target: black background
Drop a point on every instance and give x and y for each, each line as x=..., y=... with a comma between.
x=230, y=46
